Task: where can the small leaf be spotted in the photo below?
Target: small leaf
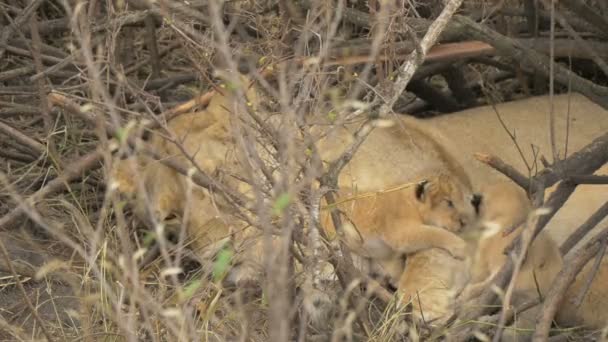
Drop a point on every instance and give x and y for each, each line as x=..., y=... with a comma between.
x=332, y=115
x=224, y=257
x=121, y=134
x=281, y=203
x=148, y=239
x=190, y=289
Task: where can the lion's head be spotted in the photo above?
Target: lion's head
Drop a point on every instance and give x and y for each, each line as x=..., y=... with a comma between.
x=503, y=206
x=444, y=201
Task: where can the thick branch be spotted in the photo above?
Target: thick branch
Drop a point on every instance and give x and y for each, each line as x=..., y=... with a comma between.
x=588, y=14
x=31, y=144
x=511, y=48
x=585, y=161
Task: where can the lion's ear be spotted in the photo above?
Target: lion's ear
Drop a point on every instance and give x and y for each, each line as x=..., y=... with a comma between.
x=476, y=202
x=421, y=190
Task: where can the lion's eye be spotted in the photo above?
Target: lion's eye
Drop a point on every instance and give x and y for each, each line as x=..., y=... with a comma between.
x=449, y=203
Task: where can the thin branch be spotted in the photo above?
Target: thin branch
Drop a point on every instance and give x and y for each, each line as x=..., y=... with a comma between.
x=573, y=264
x=554, y=203
x=17, y=23
x=511, y=48
x=407, y=70
x=504, y=168
x=552, y=85
x=72, y=171
x=526, y=237
x=198, y=177
x=585, y=228
x=152, y=46
x=26, y=297
x=31, y=144
x=592, y=274
x=577, y=37
x=588, y=14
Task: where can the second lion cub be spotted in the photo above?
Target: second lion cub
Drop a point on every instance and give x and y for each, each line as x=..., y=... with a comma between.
x=504, y=206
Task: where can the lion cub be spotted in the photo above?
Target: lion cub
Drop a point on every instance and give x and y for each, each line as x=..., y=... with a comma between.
x=503, y=206
x=200, y=139
x=593, y=310
x=442, y=200
x=402, y=191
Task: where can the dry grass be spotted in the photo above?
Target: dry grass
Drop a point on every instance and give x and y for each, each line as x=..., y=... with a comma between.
x=87, y=265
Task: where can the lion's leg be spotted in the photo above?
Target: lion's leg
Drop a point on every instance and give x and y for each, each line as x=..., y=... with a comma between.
x=425, y=290
x=414, y=239
x=523, y=326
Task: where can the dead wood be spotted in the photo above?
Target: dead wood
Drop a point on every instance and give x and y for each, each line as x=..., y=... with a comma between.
x=580, y=42
x=573, y=264
x=32, y=146
x=504, y=168
x=588, y=14
x=588, y=179
x=443, y=102
x=16, y=24
x=585, y=228
x=72, y=171
x=510, y=48
x=26, y=299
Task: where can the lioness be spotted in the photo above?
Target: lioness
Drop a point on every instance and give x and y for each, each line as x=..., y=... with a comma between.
x=592, y=312
x=503, y=206
x=578, y=121
x=162, y=193
x=479, y=130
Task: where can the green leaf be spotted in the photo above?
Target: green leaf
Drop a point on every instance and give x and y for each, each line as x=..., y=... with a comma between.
x=220, y=268
x=281, y=203
x=121, y=135
x=190, y=289
x=149, y=238
x=332, y=115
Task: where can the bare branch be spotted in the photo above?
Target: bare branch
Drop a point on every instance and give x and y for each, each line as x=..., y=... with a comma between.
x=407, y=70
x=573, y=264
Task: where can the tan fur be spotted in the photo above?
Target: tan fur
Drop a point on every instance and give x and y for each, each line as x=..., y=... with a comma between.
x=479, y=130
x=505, y=205
x=378, y=194
x=593, y=311
x=410, y=151
x=206, y=136
x=414, y=155
x=431, y=281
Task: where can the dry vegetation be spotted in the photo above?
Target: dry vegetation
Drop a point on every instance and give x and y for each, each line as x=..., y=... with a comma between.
x=80, y=81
